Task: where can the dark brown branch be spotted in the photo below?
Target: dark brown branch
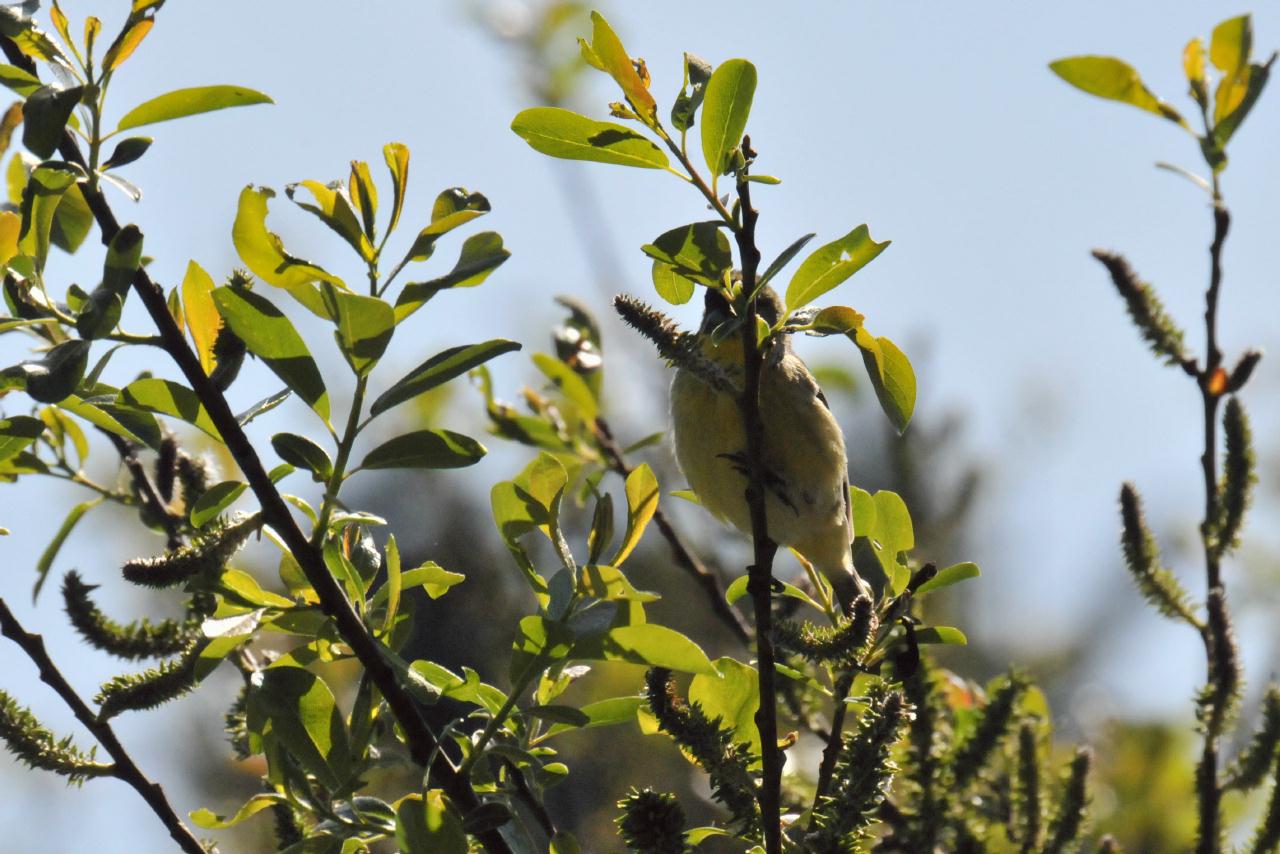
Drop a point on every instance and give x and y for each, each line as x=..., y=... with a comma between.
x=124, y=769
x=684, y=557
x=835, y=739
x=760, y=573
x=418, y=736
x=146, y=489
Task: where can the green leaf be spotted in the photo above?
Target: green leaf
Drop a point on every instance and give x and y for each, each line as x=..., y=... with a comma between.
x=439, y=369
x=452, y=208
x=608, y=583
x=733, y=696
x=210, y=821
x=481, y=254
x=216, y=499
x=365, y=325
x=617, y=710
x=565, y=134
x=72, y=221
x=738, y=588
x=1115, y=80
x=425, y=449
x=670, y=285
x=263, y=406
x=44, y=118
x=1231, y=45
x=17, y=432
x=136, y=425
x=883, y=522
x=364, y=195
x=429, y=825
x=56, y=376
x=41, y=197
x=264, y=254
x=607, y=53
x=181, y=103
x=433, y=578
x=303, y=453
x=55, y=545
x=725, y=107
x=269, y=335
x=124, y=257
x=169, y=398
x=564, y=843
x=306, y=720
x=784, y=259
x=397, y=156
x=333, y=208
x=642, y=501
x=21, y=82
x=393, y=587
x=891, y=375
x=830, y=265
x=571, y=385
x=127, y=151
x=655, y=646
x=947, y=577
x=941, y=634
x=698, y=251
x=1244, y=94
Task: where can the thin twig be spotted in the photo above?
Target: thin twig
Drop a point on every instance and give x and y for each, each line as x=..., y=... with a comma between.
x=684, y=556
x=124, y=768
x=760, y=573
x=835, y=740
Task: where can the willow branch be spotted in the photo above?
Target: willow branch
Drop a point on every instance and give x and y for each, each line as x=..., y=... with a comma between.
x=124, y=768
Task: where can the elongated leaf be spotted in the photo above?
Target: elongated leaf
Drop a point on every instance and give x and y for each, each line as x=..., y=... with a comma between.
x=571, y=385
x=618, y=710
x=642, y=501
x=425, y=449
x=189, y=102
x=21, y=82
x=947, y=577
x=481, y=254
x=127, y=151
x=40, y=200
x=607, y=53
x=892, y=376
x=56, y=376
x=210, y=820
x=303, y=453
x=397, y=156
x=725, y=107
x=656, y=646
x=941, y=634
x=1115, y=80
x=169, y=398
x=561, y=133
x=306, y=720
x=17, y=432
x=269, y=335
x=698, y=251
x=202, y=318
x=439, y=369
x=831, y=264
x=262, y=251
x=72, y=221
x=333, y=207
x=365, y=326
x=136, y=425
x=263, y=406
x=784, y=258
x=59, y=539
x=215, y=500
x=44, y=118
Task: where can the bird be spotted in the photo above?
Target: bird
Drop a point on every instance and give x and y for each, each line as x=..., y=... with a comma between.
x=806, y=480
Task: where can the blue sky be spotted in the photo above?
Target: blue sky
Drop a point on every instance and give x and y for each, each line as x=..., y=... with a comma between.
x=939, y=125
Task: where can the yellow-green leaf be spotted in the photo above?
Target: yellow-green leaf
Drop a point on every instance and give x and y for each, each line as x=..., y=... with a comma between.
x=725, y=107
x=607, y=48
x=263, y=252
x=642, y=501
x=891, y=375
x=202, y=318
x=565, y=134
x=189, y=102
x=397, y=156
x=1115, y=80
x=831, y=264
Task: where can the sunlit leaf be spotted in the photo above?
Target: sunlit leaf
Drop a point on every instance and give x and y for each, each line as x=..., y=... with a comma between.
x=209, y=820
x=562, y=133
x=365, y=325
x=425, y=449
x=733, y=695
x=612, y=57
x=202, y=317
x=829, y=265
x=262, y=251
x=439, y=369
x=642, y=501
x=892, y=376
x=481, y=254
x=725, y=107
x=189, y=102
x=333, y=207
x=169, y=398
x=698, y=251
x=397, y=156
x=946, y=577
x=1115, y=80
x=306, y=720
x=215, y=500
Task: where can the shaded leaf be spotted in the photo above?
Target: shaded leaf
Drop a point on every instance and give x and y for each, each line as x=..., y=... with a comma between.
x=303, y=453
x=892, y=376
x=698, y=251
x=439, y=369
x=365, y=325
x=169, y=398
x=726, y=105
x=305, y=719
x=127, y=151
x=425, y=449
x=44, y=118
x=481, y=254
x=215, y=500
x=17, y=432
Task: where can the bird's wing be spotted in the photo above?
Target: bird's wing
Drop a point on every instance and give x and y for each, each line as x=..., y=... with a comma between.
x=848, y=507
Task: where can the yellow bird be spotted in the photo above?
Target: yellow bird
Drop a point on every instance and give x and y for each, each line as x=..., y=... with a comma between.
x=806, y=476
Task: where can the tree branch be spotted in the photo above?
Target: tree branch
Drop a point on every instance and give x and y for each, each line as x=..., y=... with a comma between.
x=124, y=769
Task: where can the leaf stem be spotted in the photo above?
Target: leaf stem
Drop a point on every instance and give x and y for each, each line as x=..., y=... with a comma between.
x=338, y=475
